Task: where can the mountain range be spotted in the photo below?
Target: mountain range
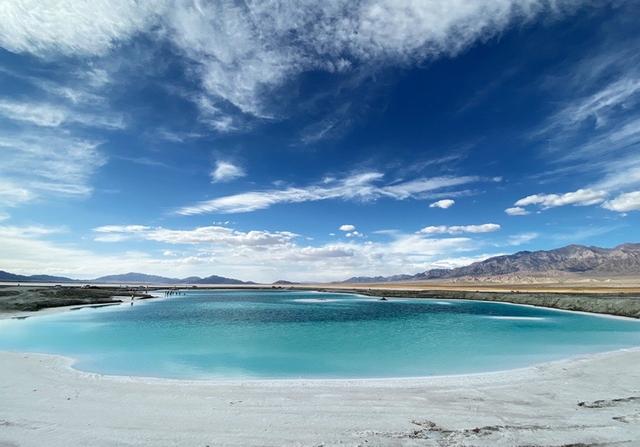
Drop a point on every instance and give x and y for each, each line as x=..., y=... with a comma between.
x=572, y=259
x=136, y=278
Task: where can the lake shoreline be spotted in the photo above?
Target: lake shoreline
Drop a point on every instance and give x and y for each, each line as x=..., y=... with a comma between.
x=621, y=304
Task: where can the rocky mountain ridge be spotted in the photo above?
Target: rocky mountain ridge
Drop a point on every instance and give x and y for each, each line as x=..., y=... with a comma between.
x=621, y=260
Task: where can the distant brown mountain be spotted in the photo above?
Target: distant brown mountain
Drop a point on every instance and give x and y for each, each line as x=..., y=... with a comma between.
x=12, y=277
x=621, y=260
x=132, y=277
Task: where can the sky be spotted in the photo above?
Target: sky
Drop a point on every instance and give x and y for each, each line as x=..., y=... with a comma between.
x=313, y=141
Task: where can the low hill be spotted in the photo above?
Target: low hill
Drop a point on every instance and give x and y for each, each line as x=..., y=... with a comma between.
x=141, y=278
x=133, y=277
x=125, y=278
x=12, y=277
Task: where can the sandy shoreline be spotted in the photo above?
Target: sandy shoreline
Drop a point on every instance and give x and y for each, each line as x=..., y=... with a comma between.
x=45, y=401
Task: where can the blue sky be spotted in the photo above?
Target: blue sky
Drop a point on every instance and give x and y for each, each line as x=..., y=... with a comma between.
x=313, y=140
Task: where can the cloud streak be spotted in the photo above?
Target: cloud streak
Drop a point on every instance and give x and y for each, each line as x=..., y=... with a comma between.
x=199, y=235
x=459, y=229
x=50, y=115
x=516, y=211
x=362, y=186
x=580, y=197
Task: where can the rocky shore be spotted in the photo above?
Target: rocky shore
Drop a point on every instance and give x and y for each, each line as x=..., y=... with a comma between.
x=622, y=305
x=15, y=299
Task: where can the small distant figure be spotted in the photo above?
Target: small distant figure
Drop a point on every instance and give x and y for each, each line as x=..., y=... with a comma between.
x=131, y=304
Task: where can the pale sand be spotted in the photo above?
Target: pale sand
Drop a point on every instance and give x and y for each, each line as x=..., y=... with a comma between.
x=43, y=401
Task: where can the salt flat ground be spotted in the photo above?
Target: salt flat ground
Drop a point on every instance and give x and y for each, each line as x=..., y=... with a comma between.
x=593, y=400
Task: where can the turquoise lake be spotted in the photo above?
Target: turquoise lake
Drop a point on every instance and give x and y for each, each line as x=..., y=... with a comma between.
x=276, y=334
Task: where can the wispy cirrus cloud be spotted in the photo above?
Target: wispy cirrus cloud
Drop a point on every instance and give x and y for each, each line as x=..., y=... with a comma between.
x=45, y=115
x=29, y=231
x=241, y=51
x=44, y=148
x=595, y=131
x=362, y=186
x=522, y=238
x=55, y=115
x=71, y=27
x=11, y=193
x=32, y=166
x=599, y=107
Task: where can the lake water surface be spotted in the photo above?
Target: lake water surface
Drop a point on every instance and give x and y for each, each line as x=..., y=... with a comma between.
x=279, y=334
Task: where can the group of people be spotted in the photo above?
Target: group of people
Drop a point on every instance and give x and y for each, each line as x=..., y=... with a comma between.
x=173, y=292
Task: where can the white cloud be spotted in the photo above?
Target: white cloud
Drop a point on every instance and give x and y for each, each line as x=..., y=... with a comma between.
x=516, y=211
x=347, y=227
x=360, y=186
x=629, y=201
x=265, y=255
x=199, y=235
x=460, y=261
x=118, y=233
x=458, y=229
x=523, y=238
x=444, y=204
x=414, y=188
x=122, y=229
x=226, y=171
x=32, y=255
x=4, y=216
x=581, y=197
x=354, y=234
x=240, y=51
x=256, y=255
